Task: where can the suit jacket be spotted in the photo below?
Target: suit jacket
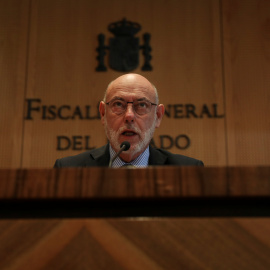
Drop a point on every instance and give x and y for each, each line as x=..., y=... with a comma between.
x=101, y=157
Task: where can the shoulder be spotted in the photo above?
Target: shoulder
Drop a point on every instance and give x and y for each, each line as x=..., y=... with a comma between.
x=95, y=157
x=158, y=155
x=73, y=161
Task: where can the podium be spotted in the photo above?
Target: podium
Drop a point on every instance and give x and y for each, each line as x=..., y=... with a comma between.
x=153, y=218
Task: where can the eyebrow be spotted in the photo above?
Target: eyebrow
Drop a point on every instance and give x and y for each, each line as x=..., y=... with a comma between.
x=120, y=98
x=114, y=98
x=139, y=99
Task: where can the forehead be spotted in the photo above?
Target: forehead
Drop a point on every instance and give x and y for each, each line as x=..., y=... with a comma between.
x=131, y=91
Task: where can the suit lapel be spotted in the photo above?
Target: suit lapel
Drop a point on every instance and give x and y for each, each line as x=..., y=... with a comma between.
x=156, y=157
x=99, y=157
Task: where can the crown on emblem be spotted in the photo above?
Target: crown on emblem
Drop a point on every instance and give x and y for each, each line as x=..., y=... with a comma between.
x=124, y=28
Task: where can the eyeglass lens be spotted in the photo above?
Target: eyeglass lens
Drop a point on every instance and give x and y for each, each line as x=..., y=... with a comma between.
x=140, y=106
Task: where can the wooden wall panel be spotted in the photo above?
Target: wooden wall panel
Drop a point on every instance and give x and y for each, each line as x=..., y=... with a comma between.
x=14, y=18
x=247, y=73
x=179, y=243
x=62, y=60
x=62, y=63
x=188, y=68
x=190, y=42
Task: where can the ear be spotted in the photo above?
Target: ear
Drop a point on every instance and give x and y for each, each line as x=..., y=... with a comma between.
x=160, y=112
x=102, y=111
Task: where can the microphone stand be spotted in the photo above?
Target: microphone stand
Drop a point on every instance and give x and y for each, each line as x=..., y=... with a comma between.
x=124, y=147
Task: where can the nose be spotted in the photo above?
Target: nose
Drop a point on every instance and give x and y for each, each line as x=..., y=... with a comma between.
x=129, y=114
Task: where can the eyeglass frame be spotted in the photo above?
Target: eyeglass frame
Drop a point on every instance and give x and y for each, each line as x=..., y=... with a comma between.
x=132, y=102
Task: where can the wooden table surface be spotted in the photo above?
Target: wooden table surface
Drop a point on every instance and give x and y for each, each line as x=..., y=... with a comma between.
x=154, y=218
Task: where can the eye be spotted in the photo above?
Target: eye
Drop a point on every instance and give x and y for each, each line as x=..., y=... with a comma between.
x=118, y=104
x=142, y=104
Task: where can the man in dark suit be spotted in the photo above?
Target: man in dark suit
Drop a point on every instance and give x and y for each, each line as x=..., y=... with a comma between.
x=129, y=112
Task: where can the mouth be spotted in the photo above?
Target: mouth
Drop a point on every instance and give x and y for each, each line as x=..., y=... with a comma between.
x=129, y=133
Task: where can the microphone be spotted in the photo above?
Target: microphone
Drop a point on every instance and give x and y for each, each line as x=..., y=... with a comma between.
x=123, y=147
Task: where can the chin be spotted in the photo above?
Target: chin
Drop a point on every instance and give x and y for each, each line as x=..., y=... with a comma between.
x=138, y=147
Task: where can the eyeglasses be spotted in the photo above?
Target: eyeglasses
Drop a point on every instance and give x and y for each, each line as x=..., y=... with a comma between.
x=140, y=106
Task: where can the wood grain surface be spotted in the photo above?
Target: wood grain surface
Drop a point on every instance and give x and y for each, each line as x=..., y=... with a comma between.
x=52, y=241
x=246, y=31
x=178, y=243
x=135, y=183
x=203, y=53
x=14, y=30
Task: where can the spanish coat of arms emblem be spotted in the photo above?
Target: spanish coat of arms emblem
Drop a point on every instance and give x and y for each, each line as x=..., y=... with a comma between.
x=124, y=48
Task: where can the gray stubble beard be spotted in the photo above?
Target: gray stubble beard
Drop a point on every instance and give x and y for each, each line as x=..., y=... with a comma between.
x=134, y=149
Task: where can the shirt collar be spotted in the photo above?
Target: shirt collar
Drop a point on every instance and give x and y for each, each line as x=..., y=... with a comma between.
x=141, y=161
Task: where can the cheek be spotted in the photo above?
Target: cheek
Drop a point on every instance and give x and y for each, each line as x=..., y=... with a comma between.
x=146, y=124
x=113, y=122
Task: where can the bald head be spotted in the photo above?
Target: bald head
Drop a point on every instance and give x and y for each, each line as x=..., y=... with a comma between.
x=131, y=82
